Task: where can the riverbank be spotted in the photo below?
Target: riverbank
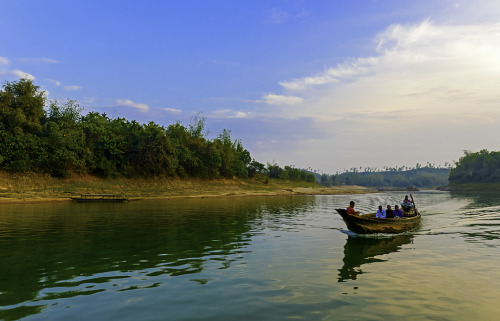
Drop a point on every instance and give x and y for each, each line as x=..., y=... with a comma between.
x=44, y=188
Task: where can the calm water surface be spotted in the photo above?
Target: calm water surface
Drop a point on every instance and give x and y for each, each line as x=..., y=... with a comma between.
x=255, y=258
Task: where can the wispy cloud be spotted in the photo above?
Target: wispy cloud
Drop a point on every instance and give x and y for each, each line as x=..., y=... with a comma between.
x=55, y=82
x=424, y=66
x=21, y=74
x=273, y=99
x=88, y=100
x=16, y=73
x=72, y=88
x=332, y=75
x=425, y=82
x=173, y=110
x=130, y=103
x=39, y=60
x=229, y=113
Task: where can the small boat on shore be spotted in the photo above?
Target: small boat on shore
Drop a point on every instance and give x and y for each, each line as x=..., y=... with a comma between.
x=369, y=224
x=99, y=198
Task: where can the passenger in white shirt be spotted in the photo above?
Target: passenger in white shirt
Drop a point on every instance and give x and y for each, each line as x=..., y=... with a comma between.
x=380, y=212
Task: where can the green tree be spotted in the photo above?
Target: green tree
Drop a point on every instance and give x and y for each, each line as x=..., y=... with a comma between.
x=234, y=158
x=274, y=170
x=256, y=169
x=64, y=139
x=21, y=118
x=156, y=151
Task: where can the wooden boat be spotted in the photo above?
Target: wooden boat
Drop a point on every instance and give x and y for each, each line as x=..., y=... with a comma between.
x=370, y=224
x=99, y=198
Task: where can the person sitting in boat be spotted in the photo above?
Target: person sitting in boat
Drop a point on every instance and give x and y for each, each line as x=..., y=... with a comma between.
x=389, y=213
x=407, y=204
x=350, y=209
x=397, y=212
x=380, y=212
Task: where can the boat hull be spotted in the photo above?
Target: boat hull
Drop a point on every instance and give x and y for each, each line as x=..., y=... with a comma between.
x=82, y=200
x=99, y=198
x=370, y=224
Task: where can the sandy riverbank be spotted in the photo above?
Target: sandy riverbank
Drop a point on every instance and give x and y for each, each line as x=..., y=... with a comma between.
x=44, y=188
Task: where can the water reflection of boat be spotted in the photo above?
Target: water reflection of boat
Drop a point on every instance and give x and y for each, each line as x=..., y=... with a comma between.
x=361, y=250
x=369, y=224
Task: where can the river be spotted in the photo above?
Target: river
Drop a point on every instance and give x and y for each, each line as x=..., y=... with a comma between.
x=249, y=258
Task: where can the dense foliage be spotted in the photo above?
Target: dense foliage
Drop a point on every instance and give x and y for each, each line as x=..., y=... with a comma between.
x=480, y=167
x=421, y=177
x=59, y=140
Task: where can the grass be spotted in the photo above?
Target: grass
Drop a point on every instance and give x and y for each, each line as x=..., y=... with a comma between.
x=31, y=186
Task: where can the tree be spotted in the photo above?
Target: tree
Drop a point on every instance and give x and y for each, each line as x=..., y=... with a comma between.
x=61, y=140
x=480, y=167
x=255, y=169
x=21, y=119
x=21, y=107
x=156, y=152
x=234, y=158
x=64, y=139
x=274, y=170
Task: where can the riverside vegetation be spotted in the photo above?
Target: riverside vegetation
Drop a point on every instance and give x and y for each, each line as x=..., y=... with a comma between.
x=476, y=171
x=60, y=141
x=54, y=142
x=50, y=148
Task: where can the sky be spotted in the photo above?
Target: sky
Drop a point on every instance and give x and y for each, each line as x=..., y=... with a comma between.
x=327, y=85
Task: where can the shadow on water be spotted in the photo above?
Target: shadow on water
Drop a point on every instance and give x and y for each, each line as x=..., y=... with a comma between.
x=363, y=250
x=59, y=251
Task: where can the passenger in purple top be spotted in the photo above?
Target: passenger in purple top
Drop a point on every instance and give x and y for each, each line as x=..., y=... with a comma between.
x=397, y=212
x=380, y=212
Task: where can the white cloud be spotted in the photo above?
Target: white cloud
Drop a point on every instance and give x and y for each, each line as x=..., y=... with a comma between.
x=40, y=60
x=430, y=86
x=173, y=110
x=55, y=82
x=229, y=113
x=22, y=74
x=88, y=100
x=433, y=68
x=6, y=71
x=129, y=103
x=273, y=99
x=72, y=88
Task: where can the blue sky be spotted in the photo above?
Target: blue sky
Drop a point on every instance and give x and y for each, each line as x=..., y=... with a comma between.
x=328, y=85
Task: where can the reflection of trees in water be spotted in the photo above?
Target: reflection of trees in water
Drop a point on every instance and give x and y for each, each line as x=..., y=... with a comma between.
x=478, y=199
x=70, y=246
x=481, y=216
x=363, y=250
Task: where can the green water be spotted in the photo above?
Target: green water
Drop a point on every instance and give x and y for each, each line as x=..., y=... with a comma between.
x=255, y=258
